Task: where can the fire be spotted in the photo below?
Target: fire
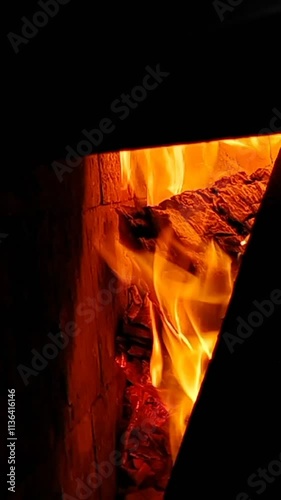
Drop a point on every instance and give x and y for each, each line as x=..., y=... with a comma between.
x=159, y=173
x=186, y=309
x=156, y=361
x=186, y=313
x=191, y=308
x=168, y=162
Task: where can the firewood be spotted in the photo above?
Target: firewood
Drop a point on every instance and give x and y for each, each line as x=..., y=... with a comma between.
x=224, y=213
x=137, y=312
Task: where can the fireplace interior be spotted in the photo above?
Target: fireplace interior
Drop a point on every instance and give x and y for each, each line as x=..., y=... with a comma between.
x=140, y=286
x=125, y=274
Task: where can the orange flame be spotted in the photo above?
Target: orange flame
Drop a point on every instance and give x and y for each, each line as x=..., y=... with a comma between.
x=186, y=310
x=158, y=173
x=156, y=356
x=191, y=308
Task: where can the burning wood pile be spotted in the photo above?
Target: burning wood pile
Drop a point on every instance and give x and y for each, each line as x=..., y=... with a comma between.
x=223, y=213
x=147, y=460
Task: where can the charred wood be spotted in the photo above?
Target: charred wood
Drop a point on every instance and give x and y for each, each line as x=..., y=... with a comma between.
x=224, y=213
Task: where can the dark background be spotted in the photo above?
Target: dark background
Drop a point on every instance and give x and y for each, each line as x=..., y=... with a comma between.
x=224, y=78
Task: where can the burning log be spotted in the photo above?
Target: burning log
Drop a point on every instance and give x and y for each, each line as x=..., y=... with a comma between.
x=224, y=212
x=146, y=455
x=138, y=308
x=135, y=337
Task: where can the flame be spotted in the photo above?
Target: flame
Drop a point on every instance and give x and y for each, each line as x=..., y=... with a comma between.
x=186, y=313
x=168, y=162
x=191, y=308
x=156, y=355
x=158, y=173
x=186, y=309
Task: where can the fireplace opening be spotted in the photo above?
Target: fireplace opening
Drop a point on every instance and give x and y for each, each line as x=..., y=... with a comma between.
x=177, y=251
x=128, y=264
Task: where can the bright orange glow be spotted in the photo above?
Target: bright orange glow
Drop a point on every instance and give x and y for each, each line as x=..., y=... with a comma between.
x=191, y=308
x=158, y=173
x=156, y=356
x=186, y=309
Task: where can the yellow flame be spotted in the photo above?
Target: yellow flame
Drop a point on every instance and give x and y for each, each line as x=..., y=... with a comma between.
x=186, y=315
x=186, y=309
x=158, y=173
x=191, y=308
x=156, y=355
x=168, y=163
